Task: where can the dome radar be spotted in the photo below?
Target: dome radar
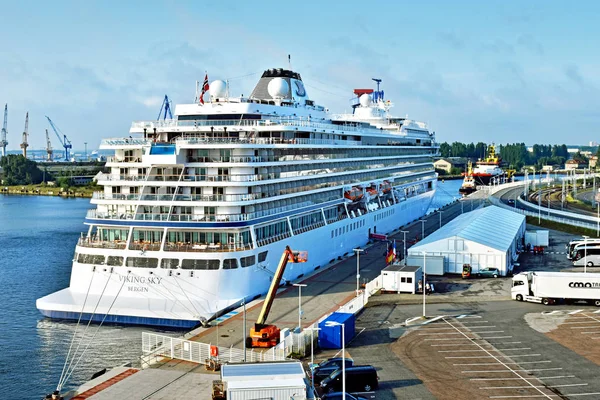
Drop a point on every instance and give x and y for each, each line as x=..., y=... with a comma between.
x=365, y=100
x=278, y=88
x=218, y=89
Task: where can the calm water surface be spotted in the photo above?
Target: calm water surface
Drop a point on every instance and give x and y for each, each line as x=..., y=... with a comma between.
x=37, y=242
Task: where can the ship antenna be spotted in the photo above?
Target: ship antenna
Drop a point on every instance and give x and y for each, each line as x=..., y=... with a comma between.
x=290, y=62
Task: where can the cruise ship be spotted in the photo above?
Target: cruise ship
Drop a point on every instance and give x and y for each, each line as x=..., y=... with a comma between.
x=196, y=210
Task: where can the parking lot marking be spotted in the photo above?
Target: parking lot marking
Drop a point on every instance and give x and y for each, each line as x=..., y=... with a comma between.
x=434, y=319
x=488, y=332
x=458, y=351
x=525, y=387
x=516, y=363
x=453, y=344
x=575, y=312
x=523, y=378
x=473, y=322
x=538, y=396
x=543, y=369
x=590, y=332
x=468, y=316
x=496, y=337
x=584, y=327
x=439, y=333
x=456, y=338
x=596, y=312
x=587, y=321
x=497, y=371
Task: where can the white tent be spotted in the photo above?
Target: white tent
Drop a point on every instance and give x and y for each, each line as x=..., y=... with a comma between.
x=487, y=237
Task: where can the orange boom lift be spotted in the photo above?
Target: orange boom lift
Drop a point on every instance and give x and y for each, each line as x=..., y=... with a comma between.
x=262, y=334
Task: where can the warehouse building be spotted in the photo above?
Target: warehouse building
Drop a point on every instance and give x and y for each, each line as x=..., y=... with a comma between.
x=489, y=237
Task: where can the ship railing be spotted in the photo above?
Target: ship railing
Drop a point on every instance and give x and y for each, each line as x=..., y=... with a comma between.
x=115, y=196
x=101, y=244
x=144, y=246
x=301, y=122
x=109, y=177
x=194, y=139
x=125, y=141
x=231, y=159
x=124, y=159
x=95, y=214
x=216, y=197
x=206, y=247
x=307, y=228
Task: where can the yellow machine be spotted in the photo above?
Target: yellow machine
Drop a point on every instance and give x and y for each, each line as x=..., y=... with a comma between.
x=262, y=334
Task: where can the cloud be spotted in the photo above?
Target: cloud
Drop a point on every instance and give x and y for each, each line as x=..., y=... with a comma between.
x=572, y=72
x=528, y=42
x=452, y=39
x=151, y=102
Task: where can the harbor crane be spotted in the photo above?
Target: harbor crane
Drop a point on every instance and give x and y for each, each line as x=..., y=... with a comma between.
x=25, y=143
x=263, y=334
x=49, y=150
x=3, y=141
x=166, y=106
x=64, y=141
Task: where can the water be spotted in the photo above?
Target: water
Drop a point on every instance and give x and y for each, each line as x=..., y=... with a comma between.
x=37, y=242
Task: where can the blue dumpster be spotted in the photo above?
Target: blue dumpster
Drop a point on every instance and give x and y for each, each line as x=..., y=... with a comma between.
x=330, y=335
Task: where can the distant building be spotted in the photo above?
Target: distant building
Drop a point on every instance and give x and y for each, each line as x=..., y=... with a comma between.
x=593, y=144
x=586, y=153
x=547, y=168
x=446, y=164
x=593, y=161
x=571, y=165
x=572, y=150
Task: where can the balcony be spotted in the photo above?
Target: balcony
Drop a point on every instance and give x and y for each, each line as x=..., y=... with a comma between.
x=206, y=247
x=109, y=177
x=94, y=242
x=94, y=214
x=115, y=196
x=128, y=159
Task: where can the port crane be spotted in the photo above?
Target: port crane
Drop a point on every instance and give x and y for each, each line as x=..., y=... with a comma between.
x=166, y=107
x=64, y=141
x=263, y=334
x=3, y=141
x=25, y=143
x=49, y=150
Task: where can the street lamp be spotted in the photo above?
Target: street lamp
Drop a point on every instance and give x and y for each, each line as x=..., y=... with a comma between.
x=585, y=238
x=312, y=359
x=244, y=334
x=423, y=228
x=299, y=286
x=440, y=211
x=358, y=251
x=424, y=278
x=404, y=241
x=333, y=323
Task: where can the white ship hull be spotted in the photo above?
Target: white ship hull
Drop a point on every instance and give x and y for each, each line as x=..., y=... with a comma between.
x=184, y=298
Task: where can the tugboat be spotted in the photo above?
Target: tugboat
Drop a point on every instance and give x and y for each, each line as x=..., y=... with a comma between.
x=468, y=185
x=489, y=168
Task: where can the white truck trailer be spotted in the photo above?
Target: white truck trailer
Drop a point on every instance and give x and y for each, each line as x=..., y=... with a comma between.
x=552, y=287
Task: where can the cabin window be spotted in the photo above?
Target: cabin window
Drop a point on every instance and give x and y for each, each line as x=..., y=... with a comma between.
x=90, y=259
x=142, y=262
x=262, y=256
x=247, y=261
x=230, y=263
x=200, y=264
x=115, y=261
x=170, y=263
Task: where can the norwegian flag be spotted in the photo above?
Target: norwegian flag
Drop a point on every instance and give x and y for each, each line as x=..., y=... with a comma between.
x=205, y=88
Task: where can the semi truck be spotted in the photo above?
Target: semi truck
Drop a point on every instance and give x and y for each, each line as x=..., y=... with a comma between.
x=554, y=287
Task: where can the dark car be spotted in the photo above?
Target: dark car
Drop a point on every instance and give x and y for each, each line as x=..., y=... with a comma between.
x=325, y=368
x=362, y=378
x=339, y=396
x=488, y=273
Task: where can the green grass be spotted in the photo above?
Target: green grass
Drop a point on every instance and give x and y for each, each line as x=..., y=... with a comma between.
x=575, y=230
x=45, y=190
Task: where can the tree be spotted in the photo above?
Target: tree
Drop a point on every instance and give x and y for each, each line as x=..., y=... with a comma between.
x=20, y=171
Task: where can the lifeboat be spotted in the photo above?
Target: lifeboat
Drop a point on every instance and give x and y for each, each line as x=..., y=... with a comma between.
x=354, y=194
x=372, y=190
x=386, y=187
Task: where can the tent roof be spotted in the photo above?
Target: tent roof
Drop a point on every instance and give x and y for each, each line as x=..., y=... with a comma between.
x=491, y=226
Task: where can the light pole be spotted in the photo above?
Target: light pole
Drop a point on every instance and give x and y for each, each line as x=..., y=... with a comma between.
x=441, y=212
x=423, y=228
x=598, y=221
x=358, y=251
x=462, y=206
x=244, y=334
x=299, y=286
x=333, y=323
x=424, y=279
x=404, y=242
x=585, y=238
x=312, y=359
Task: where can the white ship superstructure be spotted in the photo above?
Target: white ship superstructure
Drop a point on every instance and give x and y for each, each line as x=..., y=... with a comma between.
x=196, y=211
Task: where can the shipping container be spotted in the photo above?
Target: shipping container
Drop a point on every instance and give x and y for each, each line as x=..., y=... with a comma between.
x=330, y=334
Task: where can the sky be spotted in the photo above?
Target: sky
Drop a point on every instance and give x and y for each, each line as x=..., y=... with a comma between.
x=491, y=71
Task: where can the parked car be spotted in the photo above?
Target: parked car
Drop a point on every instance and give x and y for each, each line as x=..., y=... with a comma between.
x=488, y=273
x=362, y=378
x=325, y=368
x=339, y=396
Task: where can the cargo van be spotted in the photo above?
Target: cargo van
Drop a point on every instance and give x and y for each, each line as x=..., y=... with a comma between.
x=362, y=378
